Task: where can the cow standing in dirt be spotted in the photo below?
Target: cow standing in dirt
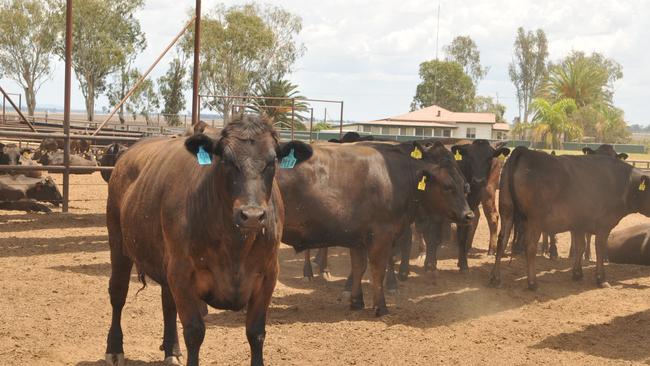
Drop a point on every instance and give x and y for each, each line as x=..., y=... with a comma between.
x=203, y=217
x=582, y=194
x=363, y=196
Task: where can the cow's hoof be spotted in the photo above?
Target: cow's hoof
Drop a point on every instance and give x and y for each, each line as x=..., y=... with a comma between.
x=577, y=276
x=173, y=361
x=532, y=286
x=381, y=311
x=494, y=281
x=603, y=284
x=327, y=276
x=115, y=359
x=463, y=269
x=357, y=305
x=306, y=279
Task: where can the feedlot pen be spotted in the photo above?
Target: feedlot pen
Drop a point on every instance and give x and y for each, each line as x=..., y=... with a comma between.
x=54, y=306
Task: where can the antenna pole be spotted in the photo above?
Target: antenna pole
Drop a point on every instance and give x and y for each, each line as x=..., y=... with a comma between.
x=435, y=75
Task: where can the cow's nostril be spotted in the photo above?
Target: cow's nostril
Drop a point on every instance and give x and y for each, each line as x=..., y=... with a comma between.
x=262, y=217
x=243, y=216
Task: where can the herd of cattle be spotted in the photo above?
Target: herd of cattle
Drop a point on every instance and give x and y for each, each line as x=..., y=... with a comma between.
x=203, y=215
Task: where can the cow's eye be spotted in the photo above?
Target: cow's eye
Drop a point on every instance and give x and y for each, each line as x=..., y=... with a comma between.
x=269, y=166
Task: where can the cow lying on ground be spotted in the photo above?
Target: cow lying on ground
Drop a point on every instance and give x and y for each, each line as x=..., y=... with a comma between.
x=13, y=155
x=630, y=245
x=363, y=196
x=56, y=159
x=18, y=192
x=581, y=194
x=77, y=146
x=203, y=217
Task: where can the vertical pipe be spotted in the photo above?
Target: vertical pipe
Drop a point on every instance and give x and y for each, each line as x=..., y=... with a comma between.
x=66, y=104
x=4, y=116
x=293, y=116
x=311, y=124
x=20, y=102
x=341, y=123
x=197, y=54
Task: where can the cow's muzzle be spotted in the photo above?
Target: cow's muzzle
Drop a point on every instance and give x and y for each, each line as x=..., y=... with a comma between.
x=466, y=217
x=250, y=217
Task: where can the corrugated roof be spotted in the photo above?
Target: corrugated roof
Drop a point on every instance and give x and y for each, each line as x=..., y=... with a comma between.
x=388, y=122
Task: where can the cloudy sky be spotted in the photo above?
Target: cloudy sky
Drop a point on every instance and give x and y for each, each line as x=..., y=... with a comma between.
x=367, y=52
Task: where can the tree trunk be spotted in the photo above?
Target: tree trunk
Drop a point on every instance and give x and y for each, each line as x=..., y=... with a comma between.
x=90, y=102
x=30, y=99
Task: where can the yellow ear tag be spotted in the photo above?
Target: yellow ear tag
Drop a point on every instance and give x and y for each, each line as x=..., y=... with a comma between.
x=502, y=157
x=642, y=186
x=458, y=156
x=422, y=185
x=416, y=153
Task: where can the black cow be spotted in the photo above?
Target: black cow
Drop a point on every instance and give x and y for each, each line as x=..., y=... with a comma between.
x=18, y=192
x=630, y=245
x=203, y=217
x=109, y=157
x=581, y=194
x=362, y=196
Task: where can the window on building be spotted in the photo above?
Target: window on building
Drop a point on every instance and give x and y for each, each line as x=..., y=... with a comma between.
x=375, y=130
x=471, y=133
x=408, y=131
x=367, y=129
x=393, y=131
x=428, y=131
x=419, y=131
x=446, y=132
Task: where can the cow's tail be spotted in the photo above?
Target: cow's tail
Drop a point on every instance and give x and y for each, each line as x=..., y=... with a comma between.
x=142, y=279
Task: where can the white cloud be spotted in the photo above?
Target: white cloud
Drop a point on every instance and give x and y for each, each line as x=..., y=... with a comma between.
x=367, y=52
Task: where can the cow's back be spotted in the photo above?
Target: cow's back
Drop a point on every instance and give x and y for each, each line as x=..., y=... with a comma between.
x=630, y=245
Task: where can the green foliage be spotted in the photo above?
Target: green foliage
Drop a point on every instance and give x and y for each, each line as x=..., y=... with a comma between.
x=487, y=104
x=279, y=110
x=143, y=100
x=444, y=83
x=241, y=47
x=602, y=122
x=586, y=79
x=551, y=121
x=528, y=68
x=171, y=87
x=107, y=36
x=464, y=51
x=27, y=39
x=321, y=126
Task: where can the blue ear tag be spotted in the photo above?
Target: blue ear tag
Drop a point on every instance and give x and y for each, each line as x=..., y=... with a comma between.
x=203, y=157
x=289, y=161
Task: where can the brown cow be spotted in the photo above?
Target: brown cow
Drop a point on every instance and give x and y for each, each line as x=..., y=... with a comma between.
x=489, y=202
x=207, y=231
x=582, y=194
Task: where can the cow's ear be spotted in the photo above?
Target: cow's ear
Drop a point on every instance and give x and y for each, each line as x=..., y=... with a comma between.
x=587, y=151
x=424, y=179
x=501, y=151
x=194, y=142
x=622, y=156
x=459, y=151
x=301, y=150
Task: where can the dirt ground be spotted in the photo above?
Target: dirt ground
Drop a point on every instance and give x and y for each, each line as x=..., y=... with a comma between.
x=54, y=307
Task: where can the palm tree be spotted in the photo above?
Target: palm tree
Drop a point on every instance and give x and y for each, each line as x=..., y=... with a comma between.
x=580, y=79
x=552, y=120
x=279, y=110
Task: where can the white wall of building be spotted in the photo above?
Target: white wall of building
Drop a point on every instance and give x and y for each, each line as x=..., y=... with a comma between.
x=483, y=130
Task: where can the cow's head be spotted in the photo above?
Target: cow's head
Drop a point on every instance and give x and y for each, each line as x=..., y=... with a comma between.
x=477, y=159
x=248, y=154
x=441, y=184
x=9, y=154
x=109, y=157
x=45, y=191
x=605, y=149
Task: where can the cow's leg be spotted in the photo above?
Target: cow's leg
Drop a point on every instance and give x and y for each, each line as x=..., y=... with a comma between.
x=170, y=334
x=471, y=229
x=405, y=242
x=307, y=272
x=545, y=248
x=552, y=249
x=390, y=278
x=256, y=317
x=189, y=307
x=432, y=234
x=118, y=288
x=531, y=238
x=578, y=238
x=379, y=253
x=588, y=247
x=492, y=217
x=601, y=252
x=323, y=268
x=502, y=243
x=359, y=260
